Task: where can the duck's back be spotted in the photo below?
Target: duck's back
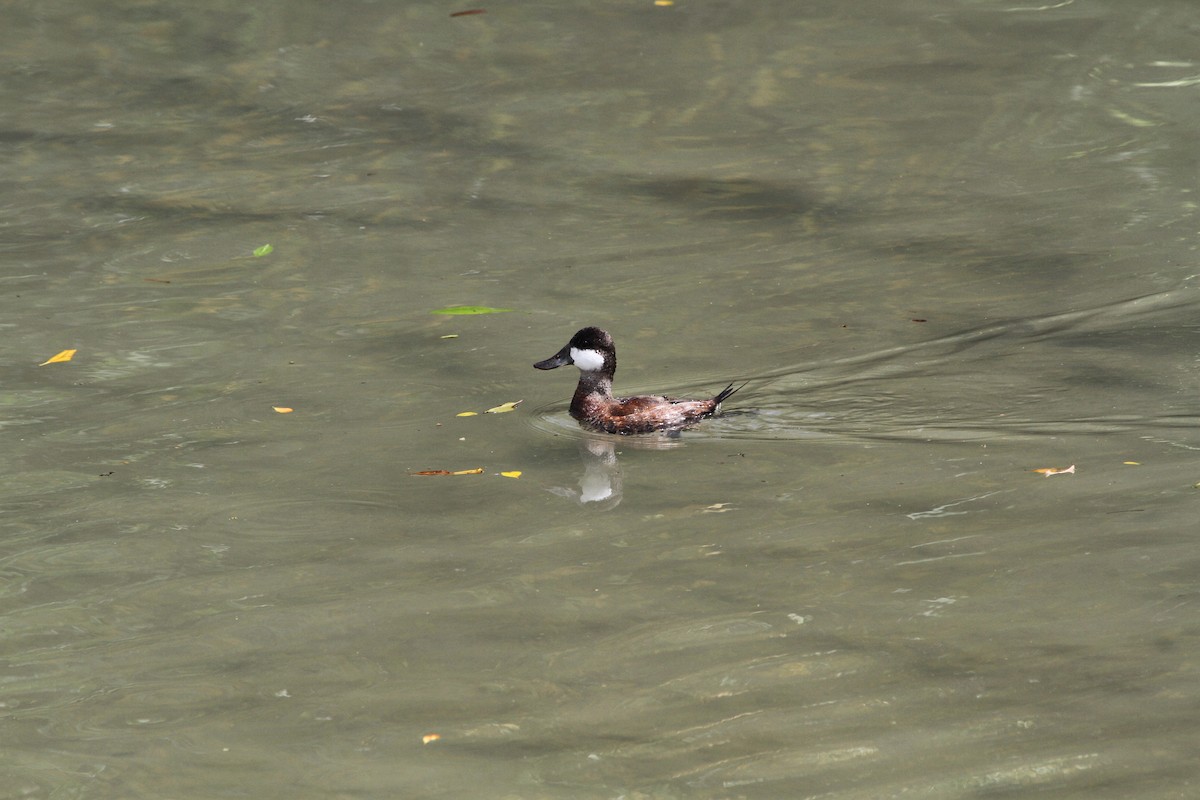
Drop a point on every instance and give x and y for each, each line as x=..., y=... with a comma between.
x=642, y=414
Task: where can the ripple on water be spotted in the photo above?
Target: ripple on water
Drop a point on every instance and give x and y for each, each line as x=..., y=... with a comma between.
x=1020, y=379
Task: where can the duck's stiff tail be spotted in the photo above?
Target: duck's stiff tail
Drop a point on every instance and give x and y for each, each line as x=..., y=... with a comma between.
x=728, y=392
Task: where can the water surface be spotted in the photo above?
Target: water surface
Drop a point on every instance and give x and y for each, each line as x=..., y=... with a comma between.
x=948, y=243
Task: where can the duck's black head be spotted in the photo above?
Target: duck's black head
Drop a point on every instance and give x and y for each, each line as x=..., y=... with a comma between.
x=590, y=349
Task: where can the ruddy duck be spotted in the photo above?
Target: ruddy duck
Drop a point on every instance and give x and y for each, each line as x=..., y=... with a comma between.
x=594, y=406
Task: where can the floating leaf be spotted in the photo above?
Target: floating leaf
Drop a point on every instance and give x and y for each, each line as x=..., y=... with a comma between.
x=265, y=250
x=450, y=336
x=468, y=13
x=514, y=473
x=430, y=737
x=283, y=409
x=1132, y=463
x=465, y=310
x=1048, y=471
x=504, y=408
x=467, y=414
x=478, y=471
x=65, y=355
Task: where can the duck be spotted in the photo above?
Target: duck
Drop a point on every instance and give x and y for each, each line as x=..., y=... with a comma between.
x=594, y=407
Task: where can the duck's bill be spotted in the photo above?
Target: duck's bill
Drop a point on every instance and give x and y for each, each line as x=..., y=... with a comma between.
x=559, y=359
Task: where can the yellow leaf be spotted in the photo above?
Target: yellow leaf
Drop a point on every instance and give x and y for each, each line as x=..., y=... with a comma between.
x=1132, y=463
x=1048, y=471
x=430, y=737
x=283, y=409
x=516, y=473
x=65, y=355
x=450, y=336
x=478, y=471
x=504, y=407
x=468, y=414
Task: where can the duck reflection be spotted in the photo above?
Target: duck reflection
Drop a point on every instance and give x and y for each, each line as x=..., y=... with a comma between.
x=600, y=483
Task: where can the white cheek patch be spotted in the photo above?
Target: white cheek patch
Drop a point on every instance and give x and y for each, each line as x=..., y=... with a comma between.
x=588, y=360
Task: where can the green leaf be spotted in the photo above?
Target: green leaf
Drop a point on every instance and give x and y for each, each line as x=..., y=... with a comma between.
x=463, y=310
x=265, y=250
